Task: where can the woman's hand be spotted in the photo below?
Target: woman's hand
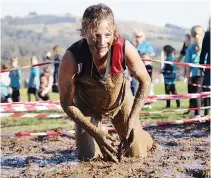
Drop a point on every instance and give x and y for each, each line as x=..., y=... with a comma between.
x=109, y=152
x=126, y=144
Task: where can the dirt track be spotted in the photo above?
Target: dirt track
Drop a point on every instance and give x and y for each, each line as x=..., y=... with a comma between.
x=182, y=151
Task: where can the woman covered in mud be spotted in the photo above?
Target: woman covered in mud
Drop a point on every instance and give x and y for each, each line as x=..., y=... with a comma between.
x=92, y=86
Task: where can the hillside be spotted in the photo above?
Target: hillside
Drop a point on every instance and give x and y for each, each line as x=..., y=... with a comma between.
x=36, y=34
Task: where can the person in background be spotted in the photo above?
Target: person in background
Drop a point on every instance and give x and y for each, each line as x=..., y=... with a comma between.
x=46, y=82
x=57, y=58
x=5, y=79
x=134, y=82
x=169, y=74
x=205, y=59
x=194, y=74
x=186, y=43
x=34, y=79
x=146, y=49
x=6, y=90
x=47, y=57
x=15, y=83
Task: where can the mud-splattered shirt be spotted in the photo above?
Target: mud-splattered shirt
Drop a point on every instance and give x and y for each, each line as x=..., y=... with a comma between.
x=96, y=94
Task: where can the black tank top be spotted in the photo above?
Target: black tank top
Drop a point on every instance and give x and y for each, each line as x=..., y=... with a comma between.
x=96, y=94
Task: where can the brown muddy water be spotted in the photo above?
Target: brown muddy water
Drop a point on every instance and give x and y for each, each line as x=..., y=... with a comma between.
x=182, y=151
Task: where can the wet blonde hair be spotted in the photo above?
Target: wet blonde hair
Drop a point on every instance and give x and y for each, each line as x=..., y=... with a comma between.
x=92, y=17
x=197, y=33
x=56, y=50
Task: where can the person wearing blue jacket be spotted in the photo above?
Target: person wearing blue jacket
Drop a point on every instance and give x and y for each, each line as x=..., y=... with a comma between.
x=194, y=74
x=169, y=74
x=34, y=79
x=144, y=48
x=15, y=83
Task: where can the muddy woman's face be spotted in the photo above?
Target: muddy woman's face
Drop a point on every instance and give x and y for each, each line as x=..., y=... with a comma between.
x=101, y=40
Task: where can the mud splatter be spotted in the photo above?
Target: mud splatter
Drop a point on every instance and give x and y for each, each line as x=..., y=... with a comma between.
x=176, y=155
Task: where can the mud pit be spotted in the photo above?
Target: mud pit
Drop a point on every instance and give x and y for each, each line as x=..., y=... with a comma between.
x=182, y=151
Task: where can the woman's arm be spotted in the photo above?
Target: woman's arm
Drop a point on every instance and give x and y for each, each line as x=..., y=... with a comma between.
x=67, y=70
x=139, y=71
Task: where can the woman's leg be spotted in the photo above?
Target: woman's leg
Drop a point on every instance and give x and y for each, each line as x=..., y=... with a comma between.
x=86, y=145
x=142, y=140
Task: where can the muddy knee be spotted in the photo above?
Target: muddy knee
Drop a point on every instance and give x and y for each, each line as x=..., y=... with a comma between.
x=142, y=144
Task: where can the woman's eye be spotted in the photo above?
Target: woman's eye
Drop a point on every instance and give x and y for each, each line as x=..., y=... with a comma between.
x=108, y=35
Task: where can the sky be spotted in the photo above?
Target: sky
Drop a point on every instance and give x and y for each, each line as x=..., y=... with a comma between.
x=184, y=13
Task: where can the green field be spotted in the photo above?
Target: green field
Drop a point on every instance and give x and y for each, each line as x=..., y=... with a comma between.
x=12, y=125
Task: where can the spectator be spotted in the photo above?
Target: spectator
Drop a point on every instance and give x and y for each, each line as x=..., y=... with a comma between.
x=34, y=79
x=5, y=79
x=169, y=74
x=149, y=70
x=6, y=91
x=205, y=59
x=15, y=83
x=134, y=82
x=57, y=58
x=194, y=75
x=47, y=57
x=186, y=43
x=46, y=82
x=145, y=49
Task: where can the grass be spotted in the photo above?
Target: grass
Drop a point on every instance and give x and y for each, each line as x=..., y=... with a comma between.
x=13, y=125
x=24, y=97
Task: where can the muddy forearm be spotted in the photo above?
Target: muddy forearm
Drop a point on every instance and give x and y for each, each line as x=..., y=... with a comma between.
x=77, y=116
x=140, y=98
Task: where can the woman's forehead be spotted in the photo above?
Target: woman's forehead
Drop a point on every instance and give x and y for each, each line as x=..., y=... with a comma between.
x=104, y=26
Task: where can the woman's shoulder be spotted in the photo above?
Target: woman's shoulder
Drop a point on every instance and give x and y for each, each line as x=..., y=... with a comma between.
x=78, y=44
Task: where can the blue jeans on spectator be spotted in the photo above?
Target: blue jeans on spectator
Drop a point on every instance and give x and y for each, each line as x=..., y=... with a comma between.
x=134, y=86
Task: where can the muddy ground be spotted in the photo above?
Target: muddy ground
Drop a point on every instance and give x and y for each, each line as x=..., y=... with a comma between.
x=182, y=151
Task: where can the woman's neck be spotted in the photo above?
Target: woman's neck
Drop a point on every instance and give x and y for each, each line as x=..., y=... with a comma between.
x=101, y=61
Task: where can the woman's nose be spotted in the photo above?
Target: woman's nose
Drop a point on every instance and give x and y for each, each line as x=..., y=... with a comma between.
x=102, y=40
